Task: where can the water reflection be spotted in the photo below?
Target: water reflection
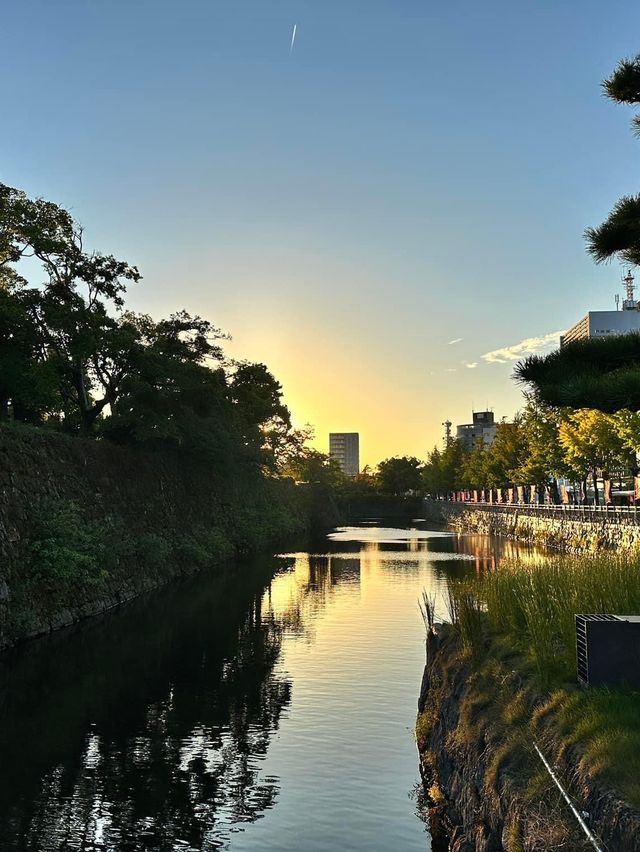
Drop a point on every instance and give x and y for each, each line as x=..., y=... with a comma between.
x=271, y=710
x=145, y=732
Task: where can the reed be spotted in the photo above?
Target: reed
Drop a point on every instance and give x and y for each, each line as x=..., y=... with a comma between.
x=533, y=606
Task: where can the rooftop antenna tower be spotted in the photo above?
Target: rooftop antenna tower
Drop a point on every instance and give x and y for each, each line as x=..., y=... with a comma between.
x=629, y=303
x=617, y=299
x=447, y=432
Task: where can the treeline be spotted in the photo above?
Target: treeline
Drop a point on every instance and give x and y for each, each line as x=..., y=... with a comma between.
x=541, y=446
x=74, y=358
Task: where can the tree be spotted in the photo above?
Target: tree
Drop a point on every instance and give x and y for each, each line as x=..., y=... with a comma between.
x=172, y=388
x=601, y=373
x=619, y=234
x=592, y=443
x=605, y=373
x=70, y=311
x=263, y=419
x=505, y=455
x=475, y=469
x=400, y=475
x=543, y=460
x=28, y=379
x=313, y=466
x=628, y=427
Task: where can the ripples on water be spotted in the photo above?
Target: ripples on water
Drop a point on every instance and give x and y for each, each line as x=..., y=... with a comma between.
x=268, y=710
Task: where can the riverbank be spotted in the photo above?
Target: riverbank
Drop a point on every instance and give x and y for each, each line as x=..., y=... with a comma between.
x=570, y=533
x=489, y=790
x=500, y=678
x=86, y=525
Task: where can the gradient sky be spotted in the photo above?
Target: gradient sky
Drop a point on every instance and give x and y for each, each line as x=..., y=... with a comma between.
x=413, y=173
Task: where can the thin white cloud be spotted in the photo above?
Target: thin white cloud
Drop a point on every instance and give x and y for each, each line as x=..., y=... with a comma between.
x=528, y=346
x=455, y=340
x=293, y=38
x=472, y=365
x=451, y=370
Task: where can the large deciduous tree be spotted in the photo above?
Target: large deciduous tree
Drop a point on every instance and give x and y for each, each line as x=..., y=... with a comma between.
x=70, y=310
x=400, y=475
x=592, y=444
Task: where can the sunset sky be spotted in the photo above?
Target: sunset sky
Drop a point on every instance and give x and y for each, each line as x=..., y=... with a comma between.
x=373, y=214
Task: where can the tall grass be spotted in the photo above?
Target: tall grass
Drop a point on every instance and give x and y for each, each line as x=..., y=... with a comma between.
x=533, y=606
x=466, y=614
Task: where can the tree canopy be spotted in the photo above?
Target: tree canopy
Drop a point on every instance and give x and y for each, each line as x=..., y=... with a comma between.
x=72, y=357
x=600, y=373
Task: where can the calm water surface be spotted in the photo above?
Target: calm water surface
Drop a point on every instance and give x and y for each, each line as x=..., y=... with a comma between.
x=272, y=709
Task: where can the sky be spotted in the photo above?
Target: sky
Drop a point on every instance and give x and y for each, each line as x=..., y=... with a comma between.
x=386, y=215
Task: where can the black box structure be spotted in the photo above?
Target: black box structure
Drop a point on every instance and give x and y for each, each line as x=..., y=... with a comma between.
x=608, y=650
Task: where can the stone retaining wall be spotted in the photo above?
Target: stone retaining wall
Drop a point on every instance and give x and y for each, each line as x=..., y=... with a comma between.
x=569, y=532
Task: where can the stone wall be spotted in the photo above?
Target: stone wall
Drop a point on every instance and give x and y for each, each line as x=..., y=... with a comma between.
x=558, y=529
x=85, y=524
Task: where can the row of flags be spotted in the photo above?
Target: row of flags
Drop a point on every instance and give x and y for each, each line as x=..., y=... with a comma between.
x=527, y=494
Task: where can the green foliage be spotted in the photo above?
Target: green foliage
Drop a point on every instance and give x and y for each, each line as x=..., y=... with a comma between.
x=400, y=475
x=443, y=471
x=72, y=356
x=592, y=441
x=202, y=548
x=312, y=466
x=619, y=234
x=533, y=605
x=600, y=373
x=65, y=548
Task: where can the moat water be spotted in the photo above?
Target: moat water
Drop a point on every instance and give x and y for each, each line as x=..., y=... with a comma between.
x=269, y=709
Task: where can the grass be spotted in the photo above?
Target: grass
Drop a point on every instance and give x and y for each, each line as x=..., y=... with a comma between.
x=533, y=606
x=518, y=627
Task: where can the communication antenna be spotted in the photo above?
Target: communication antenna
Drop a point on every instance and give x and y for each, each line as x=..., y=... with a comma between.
x=447, y=432
x=629, y=302
x=617, y=298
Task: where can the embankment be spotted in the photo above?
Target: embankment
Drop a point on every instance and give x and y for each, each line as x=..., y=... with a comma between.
x=86, y=525
x=561, y=530
x=476, y=725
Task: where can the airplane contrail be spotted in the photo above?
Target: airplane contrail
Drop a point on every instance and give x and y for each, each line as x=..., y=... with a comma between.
x=293, y=38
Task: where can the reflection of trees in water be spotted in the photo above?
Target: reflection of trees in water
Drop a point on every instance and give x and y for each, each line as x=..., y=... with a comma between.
x=187, y=773
x=305, y=590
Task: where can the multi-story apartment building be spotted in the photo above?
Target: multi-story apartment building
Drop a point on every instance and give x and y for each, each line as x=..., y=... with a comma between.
x=483, y=428
x=344, y=447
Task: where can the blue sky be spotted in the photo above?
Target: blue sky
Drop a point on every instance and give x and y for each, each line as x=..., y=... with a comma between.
x=413, y=173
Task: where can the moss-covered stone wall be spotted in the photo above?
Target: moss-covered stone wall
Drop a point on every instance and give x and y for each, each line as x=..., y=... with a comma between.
x=85, y=525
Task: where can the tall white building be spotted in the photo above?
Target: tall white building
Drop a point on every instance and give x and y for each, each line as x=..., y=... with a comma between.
x=482, y=429
x=608, y=323
x=344, y=447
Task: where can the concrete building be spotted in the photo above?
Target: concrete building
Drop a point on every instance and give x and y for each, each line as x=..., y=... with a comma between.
x=483, y=428
x=344, y=447
x=608, y=323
